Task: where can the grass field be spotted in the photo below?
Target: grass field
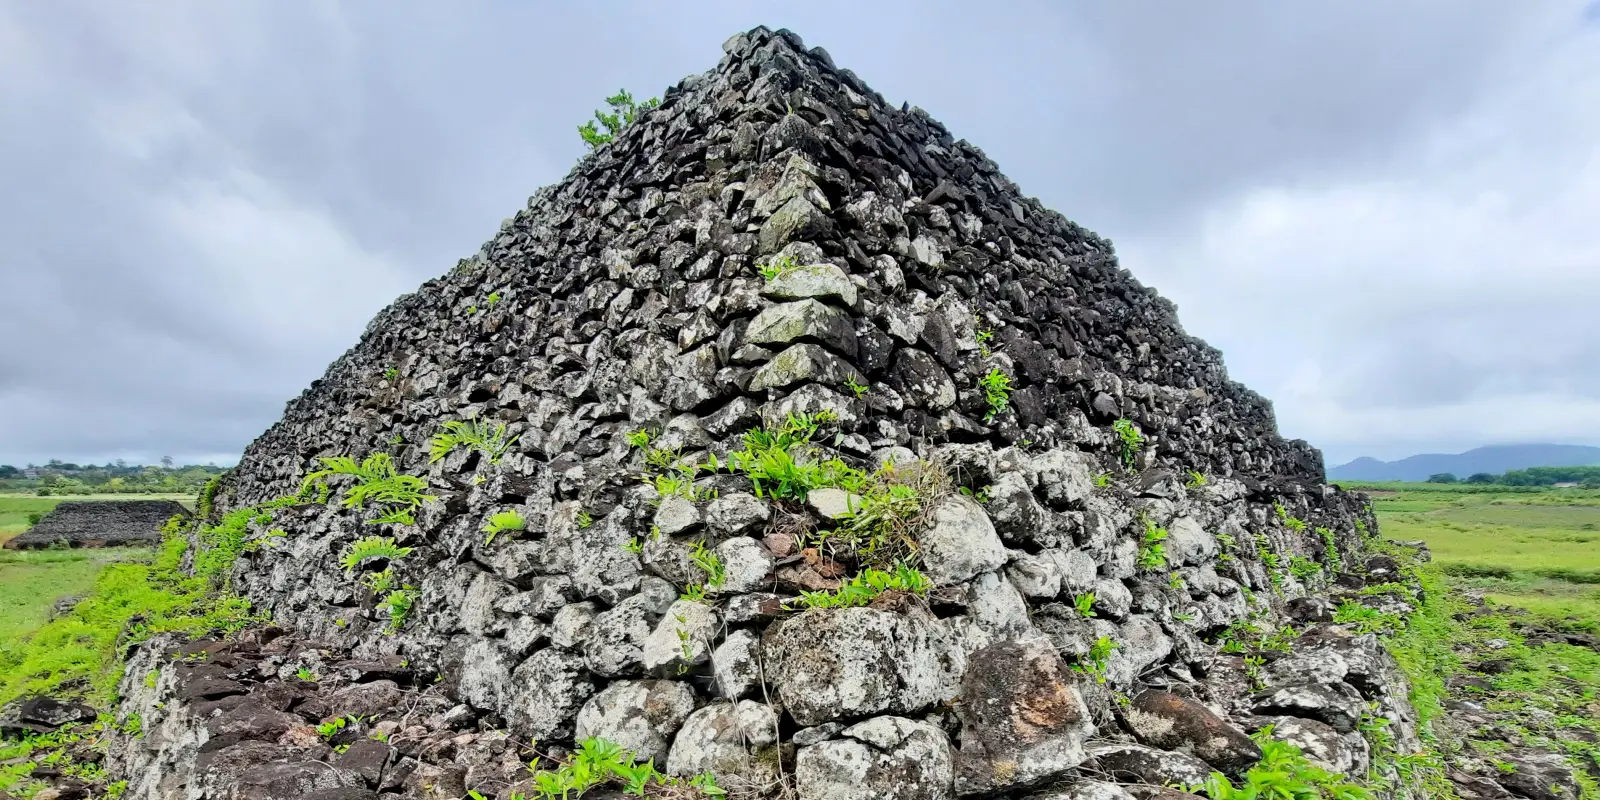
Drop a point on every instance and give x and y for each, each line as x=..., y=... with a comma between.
x=1534, y=547
x=31, y=582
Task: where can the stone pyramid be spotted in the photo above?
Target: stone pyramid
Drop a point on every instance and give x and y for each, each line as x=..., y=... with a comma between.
x=786, y=439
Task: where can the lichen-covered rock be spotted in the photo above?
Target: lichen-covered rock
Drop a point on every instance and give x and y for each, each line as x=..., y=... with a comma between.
x=804, y=362
x=1166, y=721
x=736, y=664
x=640, y=716
x=1084, y=790
x=1343, y=754
x=806, y=281
x=960, y=543
x=1023, y=721
x=803, y=320
x=883, y=758
x=683, y=638
x=830, y=664
x=736, y=513
x=746, y=565
x=548, y=689
x=731, y=740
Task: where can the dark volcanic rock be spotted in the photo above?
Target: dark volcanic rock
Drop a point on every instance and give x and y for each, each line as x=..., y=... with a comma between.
x=100, y=523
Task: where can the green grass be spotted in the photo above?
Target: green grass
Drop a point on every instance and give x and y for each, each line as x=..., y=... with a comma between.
x=31, y=582
x=1537, y=548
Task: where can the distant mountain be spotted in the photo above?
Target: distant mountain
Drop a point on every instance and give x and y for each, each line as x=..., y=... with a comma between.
x=1494, y=460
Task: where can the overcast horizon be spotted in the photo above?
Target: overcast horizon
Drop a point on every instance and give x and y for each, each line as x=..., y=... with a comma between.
x=1383, y=216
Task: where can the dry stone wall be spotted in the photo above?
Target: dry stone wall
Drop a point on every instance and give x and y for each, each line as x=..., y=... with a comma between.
x=103, y=523
x=775, y=242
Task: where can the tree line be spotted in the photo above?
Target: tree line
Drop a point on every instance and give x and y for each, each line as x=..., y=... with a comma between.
x=1587, y=477
x=58, y=477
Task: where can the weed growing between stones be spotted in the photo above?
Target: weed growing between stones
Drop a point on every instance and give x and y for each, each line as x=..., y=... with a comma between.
x=472, y=434
x=1094, y=664
x=1195, y=480
x=1330, y=552
x=1283, y=772
x=503, y=522
x=867, y=586
x=859, y=389
x=599, y=762
x=996, y=387
x=397, y=604
x=1152, y=550
x=709, y=563
x=1084, y=603
x=1132, y=440
x=1304, y=568
x=776, y=267
x=1293, y=524
x=371, y=548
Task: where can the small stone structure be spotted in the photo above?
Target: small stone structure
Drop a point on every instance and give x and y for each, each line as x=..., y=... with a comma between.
x=106, y=523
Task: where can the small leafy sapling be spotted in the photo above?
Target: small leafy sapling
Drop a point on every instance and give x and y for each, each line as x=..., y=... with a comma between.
x=1152, y=550
x=996, y=392
x=1130, y=437
x=623, y=112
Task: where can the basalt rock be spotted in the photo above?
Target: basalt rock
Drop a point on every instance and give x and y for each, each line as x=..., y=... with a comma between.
x=107, y=523
x=773, y=242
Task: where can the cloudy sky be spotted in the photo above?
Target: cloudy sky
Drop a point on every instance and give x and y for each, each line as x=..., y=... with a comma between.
x=1387, y=215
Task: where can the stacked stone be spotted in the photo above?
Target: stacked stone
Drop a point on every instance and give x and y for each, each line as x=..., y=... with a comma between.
x=106, y=523
x=771, y=239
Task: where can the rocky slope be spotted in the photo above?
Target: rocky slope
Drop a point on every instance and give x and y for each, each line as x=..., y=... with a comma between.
x=784, y=441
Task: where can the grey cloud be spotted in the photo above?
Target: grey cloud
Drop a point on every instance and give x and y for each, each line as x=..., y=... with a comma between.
x=219, y=196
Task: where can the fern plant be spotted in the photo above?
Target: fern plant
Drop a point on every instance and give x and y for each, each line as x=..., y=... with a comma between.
x=472, y=434
x=377, y=482
x=504, y=522
x=398, y=604
x=861, y=589
x=372, y=548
